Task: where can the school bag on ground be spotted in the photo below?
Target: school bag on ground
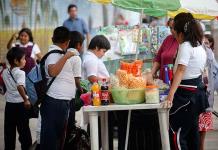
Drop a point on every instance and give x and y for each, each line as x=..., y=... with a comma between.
x=77, y=139
x=36, y=81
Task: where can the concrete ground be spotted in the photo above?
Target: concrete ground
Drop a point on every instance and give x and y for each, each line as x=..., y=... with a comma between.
x=211, y=138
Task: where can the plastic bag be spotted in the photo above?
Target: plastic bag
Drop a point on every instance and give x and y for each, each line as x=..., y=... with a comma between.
x=148, y=76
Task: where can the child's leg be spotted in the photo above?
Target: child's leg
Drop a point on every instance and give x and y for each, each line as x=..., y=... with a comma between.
x=23, y=128
x=10, y=126
x=202, y=139
x=54, y=115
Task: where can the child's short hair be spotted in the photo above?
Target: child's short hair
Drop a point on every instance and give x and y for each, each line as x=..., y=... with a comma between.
x=15, y=53
x=61, y=35
x=75, y=38
x=99, y=41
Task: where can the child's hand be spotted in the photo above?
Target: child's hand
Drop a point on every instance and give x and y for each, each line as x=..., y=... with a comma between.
x=69, y=54
x=15, y=36
x=27, y=104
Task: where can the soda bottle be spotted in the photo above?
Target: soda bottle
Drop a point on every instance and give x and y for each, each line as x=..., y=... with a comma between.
x=95, y=89
x=170, y=66
x=166, y=73
x=104, y=93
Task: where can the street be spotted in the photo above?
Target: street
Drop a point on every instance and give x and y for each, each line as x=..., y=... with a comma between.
x=211, y=138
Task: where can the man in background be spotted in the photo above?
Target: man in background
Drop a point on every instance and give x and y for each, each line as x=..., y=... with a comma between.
x=74, y=23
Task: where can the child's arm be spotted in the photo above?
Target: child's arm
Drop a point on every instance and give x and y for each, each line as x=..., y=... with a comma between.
x=22, y=92
x=55, y=69
x=78, y=86
x=9, y=45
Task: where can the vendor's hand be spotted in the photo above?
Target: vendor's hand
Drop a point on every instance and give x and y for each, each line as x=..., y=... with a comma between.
x=69, y=54
x=27, y=104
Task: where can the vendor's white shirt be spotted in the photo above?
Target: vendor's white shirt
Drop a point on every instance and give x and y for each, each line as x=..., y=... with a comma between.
x=63, y=87
x=12, y=95
x=194, y=58
x=35, y=49
x=93, y=66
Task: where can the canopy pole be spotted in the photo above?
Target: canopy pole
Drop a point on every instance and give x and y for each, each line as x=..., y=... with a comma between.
x=139, y=33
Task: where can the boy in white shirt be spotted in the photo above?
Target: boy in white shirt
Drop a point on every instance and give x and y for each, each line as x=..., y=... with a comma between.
x=55, y=107
x=17, y=102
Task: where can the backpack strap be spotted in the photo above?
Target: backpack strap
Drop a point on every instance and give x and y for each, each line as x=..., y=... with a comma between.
x=42, y=66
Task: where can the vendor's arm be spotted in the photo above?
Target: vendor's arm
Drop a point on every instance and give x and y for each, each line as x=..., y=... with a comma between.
x=176, y=81
x=10, y=42
x=55, y=69
x=155, y=68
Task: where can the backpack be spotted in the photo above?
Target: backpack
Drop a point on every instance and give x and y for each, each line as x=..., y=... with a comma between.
x=77, y=138
x=36, y=81
x=2, y=84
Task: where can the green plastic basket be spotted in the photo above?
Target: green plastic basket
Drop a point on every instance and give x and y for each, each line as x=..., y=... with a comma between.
x=128, y=96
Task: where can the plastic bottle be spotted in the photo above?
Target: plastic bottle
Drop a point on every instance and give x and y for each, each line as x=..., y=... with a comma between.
x=170, y=66
x=166, y=73
x=104, y=93
x=95, y=89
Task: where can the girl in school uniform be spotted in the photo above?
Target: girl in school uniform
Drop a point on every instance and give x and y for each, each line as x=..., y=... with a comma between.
x=187, y=94
x=16, y=118
x=24, y=40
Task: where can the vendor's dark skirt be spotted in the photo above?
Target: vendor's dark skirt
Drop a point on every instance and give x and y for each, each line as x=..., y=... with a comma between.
x=144, y=130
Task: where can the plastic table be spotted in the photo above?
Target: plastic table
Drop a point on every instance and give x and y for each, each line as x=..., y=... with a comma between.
x=102, y=111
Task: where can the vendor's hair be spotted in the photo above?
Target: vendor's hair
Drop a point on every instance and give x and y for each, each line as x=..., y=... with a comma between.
x=75, y=38
x=191, y=29
x=61, y=35
x=71, y=6
x=28, y=32
x=15, y=53
x=100, y=42
x=210, y=39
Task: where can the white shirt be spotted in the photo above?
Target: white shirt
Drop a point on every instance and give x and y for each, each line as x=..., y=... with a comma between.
x=12, y=95
x=63, y=87
x=93, y=66
x=35, y=49
x=194, y=58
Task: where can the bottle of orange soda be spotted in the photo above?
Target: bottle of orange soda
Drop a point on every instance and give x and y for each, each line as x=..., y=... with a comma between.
x=95, y=89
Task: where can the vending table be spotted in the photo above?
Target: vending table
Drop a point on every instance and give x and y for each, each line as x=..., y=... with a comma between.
x=102, y=111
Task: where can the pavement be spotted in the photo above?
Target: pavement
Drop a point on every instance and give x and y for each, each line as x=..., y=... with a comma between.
x=210, y=144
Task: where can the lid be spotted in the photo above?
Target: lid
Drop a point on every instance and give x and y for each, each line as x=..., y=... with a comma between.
x=170, y=65
x=151, y=86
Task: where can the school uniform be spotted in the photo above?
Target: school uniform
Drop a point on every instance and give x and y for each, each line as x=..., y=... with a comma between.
x=188, y=102
x=94, y=66
x=31, y=50
x=55, y=107
x=77, y=63
x=15, y=114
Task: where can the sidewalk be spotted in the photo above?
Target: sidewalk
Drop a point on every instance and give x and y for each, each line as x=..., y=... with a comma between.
x=211, y=138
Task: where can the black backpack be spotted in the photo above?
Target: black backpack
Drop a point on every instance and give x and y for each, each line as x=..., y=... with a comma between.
x=77, y=139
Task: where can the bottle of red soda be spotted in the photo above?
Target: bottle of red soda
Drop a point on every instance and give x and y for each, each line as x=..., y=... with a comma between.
x=104, y=93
